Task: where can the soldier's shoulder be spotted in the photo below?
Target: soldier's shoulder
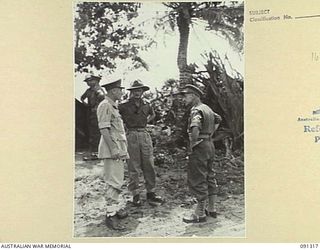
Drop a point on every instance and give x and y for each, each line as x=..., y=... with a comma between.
x=198, y=108
x=87, y=92
x=204, y=106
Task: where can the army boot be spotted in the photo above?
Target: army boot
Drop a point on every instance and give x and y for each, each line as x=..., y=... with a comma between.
x=199, y=215
x=153, y=199
x=211, y=210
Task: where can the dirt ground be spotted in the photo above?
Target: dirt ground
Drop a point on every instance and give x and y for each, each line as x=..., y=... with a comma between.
x=164, y=220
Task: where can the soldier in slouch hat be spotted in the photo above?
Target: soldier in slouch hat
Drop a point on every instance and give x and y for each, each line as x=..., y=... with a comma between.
x=91, y=99
x=136, y=113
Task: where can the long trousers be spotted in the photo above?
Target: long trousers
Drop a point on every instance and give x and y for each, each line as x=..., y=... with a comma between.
x=141, y=159
x=114, y=179
x=201, y=175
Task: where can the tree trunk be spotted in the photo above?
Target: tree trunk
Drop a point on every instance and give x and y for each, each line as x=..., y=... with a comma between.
x=183, y=21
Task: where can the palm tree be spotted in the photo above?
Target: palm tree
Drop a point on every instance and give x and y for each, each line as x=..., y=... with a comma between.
x=226, y=20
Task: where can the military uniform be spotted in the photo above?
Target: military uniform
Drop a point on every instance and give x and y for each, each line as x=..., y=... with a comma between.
x=201, y=180
x=135, y=113
x=201, y=176
x=139, y=144
x=109, y=118
x=94, y=97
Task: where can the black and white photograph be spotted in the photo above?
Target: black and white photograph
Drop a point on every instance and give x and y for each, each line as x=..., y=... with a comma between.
x=159, y=119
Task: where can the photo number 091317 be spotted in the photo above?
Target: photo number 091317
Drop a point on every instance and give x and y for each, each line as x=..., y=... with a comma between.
x=309, y=245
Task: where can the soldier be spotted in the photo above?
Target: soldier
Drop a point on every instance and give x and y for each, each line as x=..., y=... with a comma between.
x=91, y=99
x=136, y=113
x=113, y=151
x=201, y=181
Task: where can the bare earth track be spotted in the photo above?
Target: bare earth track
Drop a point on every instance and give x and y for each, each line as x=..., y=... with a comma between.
x=165, y=220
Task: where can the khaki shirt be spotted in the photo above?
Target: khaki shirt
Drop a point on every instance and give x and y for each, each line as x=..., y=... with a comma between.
x=135, y=116
x=110, y=118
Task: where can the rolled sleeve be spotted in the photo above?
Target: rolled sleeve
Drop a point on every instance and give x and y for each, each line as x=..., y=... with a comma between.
x=104, y=115
x=196, y=119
